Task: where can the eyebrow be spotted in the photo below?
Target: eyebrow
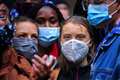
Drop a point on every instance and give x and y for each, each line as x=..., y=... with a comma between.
x=42, y=17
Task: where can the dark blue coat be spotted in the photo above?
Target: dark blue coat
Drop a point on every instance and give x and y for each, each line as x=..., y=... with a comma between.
x=106, y=65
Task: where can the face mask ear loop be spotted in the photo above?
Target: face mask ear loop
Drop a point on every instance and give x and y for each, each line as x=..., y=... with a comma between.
x=88, y=41
x=112, y=3
x=115, y=11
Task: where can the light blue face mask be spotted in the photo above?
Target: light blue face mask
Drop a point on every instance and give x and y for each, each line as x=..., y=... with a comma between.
x=97, y=14
x=26, y=47
x=48, y=35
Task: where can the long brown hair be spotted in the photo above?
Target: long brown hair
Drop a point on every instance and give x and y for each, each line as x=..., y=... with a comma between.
x=80, y=21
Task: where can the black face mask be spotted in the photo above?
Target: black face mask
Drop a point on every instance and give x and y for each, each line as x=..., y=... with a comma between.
x=6, y=33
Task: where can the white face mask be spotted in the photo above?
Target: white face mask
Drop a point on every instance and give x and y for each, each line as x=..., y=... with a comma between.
x=74, y=50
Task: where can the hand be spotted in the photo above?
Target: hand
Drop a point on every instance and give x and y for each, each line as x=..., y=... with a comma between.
x=41, y=65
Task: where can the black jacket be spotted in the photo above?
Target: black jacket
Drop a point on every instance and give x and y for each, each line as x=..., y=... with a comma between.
x=81, y=73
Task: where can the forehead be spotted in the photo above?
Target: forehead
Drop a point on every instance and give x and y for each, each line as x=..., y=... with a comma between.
x=61, y=5
x=46, y=10
x=73, y=28
x=26, y=26
x=3, y=6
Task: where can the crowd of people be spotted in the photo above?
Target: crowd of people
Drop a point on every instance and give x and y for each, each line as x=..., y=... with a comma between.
x=43, y=40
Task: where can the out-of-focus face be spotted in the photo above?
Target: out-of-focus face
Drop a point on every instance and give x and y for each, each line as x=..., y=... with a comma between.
x=112, y=4
x=74, y=31
x=33, y=1
x=3, y=14
x=47, y=17
x=64, y=10
x=28, y=1
x=26, y=30
x=113, y=8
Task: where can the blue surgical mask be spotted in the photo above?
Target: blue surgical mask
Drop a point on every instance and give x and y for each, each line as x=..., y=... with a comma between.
x=97, y=14
x=25, y=47
x=48, y=35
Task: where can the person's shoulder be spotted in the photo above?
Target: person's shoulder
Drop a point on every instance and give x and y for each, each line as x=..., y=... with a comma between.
x=9, y=55
x=118, y=40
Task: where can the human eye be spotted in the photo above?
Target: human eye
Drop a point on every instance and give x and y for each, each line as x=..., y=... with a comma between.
x=40, y=20
x=53, y=20
x=67, y=37
x=80, y=37
x=34, y=36
x=23, y=35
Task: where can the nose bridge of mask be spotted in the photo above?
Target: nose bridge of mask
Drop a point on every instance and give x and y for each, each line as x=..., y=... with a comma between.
x=46, y=32
x=73, y=43
x=22, y=42
x=25, y=42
